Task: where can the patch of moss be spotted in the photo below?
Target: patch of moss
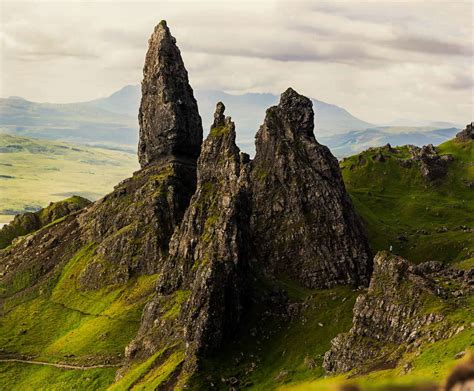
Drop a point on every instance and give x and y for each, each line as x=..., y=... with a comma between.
x=160, y=374
x=263, y=350
x=219, y=131
x=177, y=299
x=136, y=372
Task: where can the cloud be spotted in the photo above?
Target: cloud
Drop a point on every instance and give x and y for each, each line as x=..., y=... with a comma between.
x=380, y=60
x=461, y=82
x=430, y=45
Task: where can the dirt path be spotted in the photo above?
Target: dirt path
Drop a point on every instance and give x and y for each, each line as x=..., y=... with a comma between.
x=64, y=366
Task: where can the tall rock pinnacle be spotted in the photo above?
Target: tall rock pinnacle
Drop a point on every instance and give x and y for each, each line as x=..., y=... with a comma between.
x=303, y=222
x=169, y=120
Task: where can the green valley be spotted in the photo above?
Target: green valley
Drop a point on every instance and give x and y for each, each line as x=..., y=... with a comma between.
x=34, y=172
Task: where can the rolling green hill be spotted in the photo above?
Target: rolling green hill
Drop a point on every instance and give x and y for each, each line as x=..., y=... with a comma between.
x=34, y=172
x=421, y=220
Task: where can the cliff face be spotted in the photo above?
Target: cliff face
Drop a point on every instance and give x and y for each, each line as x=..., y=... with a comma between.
x=303, y=222
x=169, y=119
x=233, y=217
x=401, y=310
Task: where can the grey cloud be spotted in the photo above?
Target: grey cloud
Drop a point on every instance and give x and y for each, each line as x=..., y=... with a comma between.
x=343, y=53
x=429, y=45
x=461, y=82
x=37, y=45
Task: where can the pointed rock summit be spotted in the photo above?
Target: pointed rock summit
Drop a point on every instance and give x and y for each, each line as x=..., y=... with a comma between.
x=303, y=222
x=204, y=275
x=170, y=125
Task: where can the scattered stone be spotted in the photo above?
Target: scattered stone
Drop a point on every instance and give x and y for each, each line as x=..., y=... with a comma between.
x=408, y=367
x=281, y=376
x=459, y=355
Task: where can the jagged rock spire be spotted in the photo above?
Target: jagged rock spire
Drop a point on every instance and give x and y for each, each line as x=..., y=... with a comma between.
x=207, y=255
x=169, y=120
x=303, y=222
x=219, y=118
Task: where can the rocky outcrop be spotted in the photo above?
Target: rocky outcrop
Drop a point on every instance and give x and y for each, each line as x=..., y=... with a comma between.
x=303, y=222
x=467, y=134
x=207, y=260
x=29, y=222
x=394, y=316
x=432, y=165
x=170, y=124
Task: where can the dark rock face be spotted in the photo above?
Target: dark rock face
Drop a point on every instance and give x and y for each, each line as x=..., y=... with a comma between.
x=432, y=166
x=467, y=134
x=207, y=256
x=169, y=119
x=303, y=222
x=130, y=230
x=392, y=315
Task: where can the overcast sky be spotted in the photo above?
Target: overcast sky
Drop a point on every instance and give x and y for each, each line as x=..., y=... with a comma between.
x=380, y=60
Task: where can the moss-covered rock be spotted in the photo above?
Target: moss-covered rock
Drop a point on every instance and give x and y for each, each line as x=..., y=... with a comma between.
x=29, y=222
x=405, y=307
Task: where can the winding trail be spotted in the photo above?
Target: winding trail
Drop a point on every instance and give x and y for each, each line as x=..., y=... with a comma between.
x=64, y=366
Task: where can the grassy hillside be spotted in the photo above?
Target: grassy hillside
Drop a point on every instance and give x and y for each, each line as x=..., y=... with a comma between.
x=57, y=322
x=34, y=173
x=419, y=219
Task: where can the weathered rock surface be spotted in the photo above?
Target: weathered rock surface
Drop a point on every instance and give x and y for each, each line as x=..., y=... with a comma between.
x=467, y=134
x=130, y=228
x=207, y=260
x=170, y=124
x=432, y=166
x=26, y=223
x=303, y=222
x=392, y=316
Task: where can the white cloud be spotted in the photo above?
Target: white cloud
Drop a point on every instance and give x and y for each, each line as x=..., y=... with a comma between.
x=380, y=60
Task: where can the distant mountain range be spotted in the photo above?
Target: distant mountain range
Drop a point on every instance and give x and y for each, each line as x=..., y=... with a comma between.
x=112, y=121
x=356, y=141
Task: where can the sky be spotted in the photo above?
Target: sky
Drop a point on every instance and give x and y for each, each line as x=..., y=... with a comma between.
x=379, y=60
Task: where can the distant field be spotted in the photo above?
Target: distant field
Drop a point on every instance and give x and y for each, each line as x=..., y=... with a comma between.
x=35, y=172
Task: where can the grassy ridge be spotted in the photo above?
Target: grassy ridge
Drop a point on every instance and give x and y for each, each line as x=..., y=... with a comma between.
x=420, y=220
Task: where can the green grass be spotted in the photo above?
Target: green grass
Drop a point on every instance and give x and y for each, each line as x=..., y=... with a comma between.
x=395, y=201
x=60, y=322
x=26, y=377
x=432, y=366
x=43, y=171
x=278, y=345
x=151, y=373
